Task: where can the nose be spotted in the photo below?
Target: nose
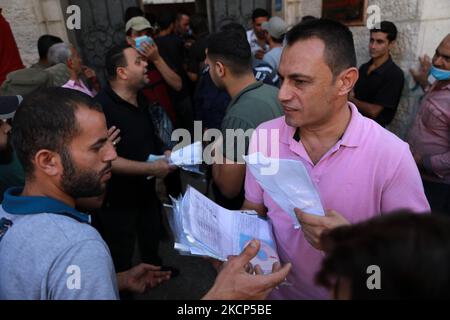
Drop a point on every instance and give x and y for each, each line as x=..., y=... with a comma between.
x=145, y=63
x=438, y=61
x=284, y=95
x=110, y=153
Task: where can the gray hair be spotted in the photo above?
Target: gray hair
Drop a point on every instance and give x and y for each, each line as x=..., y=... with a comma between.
x=59, y=53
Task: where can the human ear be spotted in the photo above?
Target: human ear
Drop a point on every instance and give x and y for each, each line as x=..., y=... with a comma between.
x=346, y=81
x=48, y=162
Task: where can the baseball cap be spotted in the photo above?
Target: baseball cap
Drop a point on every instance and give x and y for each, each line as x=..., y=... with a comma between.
x=138, y=24
x=275, y=26
x=8, y=106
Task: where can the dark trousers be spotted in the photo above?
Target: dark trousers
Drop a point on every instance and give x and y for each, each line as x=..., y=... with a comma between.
x=121, y=226
x=438, y=195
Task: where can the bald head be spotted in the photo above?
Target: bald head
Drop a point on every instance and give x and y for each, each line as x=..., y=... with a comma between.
x=441, y=58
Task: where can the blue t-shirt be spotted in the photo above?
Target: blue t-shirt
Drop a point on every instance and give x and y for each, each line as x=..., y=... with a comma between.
x=53, y=254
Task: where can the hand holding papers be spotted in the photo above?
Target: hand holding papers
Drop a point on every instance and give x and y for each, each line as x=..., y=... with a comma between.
x=188, y=158
x=203, y=228
x=288, y=184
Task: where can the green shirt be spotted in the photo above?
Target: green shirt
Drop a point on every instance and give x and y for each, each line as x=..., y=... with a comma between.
x=254, y=105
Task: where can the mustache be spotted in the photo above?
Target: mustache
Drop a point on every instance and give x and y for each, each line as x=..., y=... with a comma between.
x=106, y=169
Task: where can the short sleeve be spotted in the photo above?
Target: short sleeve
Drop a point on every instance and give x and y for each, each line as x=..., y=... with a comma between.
x=236, y=134
x=405, y=190
x=83, y=272
x=253, y=191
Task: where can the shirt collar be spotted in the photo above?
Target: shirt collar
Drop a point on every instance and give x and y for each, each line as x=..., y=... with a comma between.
x=350, y=138
x=119, y=101
x=14, y=203
x=387, y=64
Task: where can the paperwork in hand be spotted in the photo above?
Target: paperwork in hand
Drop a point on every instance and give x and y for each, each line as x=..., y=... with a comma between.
x=203, y=228
x=288, y=184
x=188, y=158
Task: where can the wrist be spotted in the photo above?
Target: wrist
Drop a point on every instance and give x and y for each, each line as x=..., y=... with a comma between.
x=122, y=280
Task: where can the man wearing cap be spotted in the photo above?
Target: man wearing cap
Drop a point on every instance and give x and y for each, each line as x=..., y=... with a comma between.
x=11, y=172
x=138, y=27
x=275, y=29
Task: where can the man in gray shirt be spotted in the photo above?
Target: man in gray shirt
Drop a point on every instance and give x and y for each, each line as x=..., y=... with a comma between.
x=48, y=250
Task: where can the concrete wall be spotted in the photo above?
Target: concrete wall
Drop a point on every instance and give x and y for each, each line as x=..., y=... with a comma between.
x=31, y=19
x=421, y=23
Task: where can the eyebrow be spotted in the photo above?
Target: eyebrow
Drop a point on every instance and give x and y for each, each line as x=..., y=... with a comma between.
x=442, y=55
x=297, y=75
x=99, y=143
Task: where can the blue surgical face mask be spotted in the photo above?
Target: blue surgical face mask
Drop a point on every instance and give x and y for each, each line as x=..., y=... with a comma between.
x=440, y=74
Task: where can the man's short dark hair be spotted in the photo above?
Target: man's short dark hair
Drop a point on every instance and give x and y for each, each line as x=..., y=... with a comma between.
x=387, y=27
x=338, y=39
x=180, y=14
x=46, y=120
x=231, y=49
x=115, y=58
x=166, y=19
x=44, y=44
x=258, y=13
x=412, y=251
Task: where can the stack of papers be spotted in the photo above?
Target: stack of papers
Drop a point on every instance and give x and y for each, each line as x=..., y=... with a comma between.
x=203, y=228
x=288, y=184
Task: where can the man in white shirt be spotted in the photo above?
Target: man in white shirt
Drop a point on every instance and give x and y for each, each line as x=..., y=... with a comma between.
x=255, y=36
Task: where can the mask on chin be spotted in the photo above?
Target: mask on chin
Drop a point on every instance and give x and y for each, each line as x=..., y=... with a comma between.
x=437, y=74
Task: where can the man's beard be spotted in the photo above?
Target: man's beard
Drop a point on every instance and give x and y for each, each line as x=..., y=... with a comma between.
x=78, y=183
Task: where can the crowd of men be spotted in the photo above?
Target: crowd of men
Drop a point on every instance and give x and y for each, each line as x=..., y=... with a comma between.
x=78, y=144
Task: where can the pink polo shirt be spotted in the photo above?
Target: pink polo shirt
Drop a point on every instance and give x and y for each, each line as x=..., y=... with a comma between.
x=80, y=86
x=367, y=172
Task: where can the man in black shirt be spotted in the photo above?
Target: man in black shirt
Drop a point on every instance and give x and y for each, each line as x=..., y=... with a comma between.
x=380, y=84
x=131, y=209
x=171, y=49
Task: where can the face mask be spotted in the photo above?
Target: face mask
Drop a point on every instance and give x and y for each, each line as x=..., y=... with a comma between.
x=440, y=74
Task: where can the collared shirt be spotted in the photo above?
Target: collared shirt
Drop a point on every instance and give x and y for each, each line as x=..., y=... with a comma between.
x=383, y=86
x=253, y=41
x=48, y=251
x=368, y=172
x=138, y=141
x=79, y=86
x=430, y=134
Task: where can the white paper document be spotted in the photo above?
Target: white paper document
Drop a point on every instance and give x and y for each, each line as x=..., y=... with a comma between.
x=188, y=158
x=201, y=227
x=288, y=184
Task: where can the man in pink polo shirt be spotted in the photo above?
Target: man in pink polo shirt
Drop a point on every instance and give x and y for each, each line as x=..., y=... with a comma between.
x=360, y=169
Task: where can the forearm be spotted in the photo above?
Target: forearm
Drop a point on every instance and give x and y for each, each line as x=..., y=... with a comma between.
x=170, y=76
x=438, y=164
x=124, y=166
x=368, y=109
x=229, y=178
